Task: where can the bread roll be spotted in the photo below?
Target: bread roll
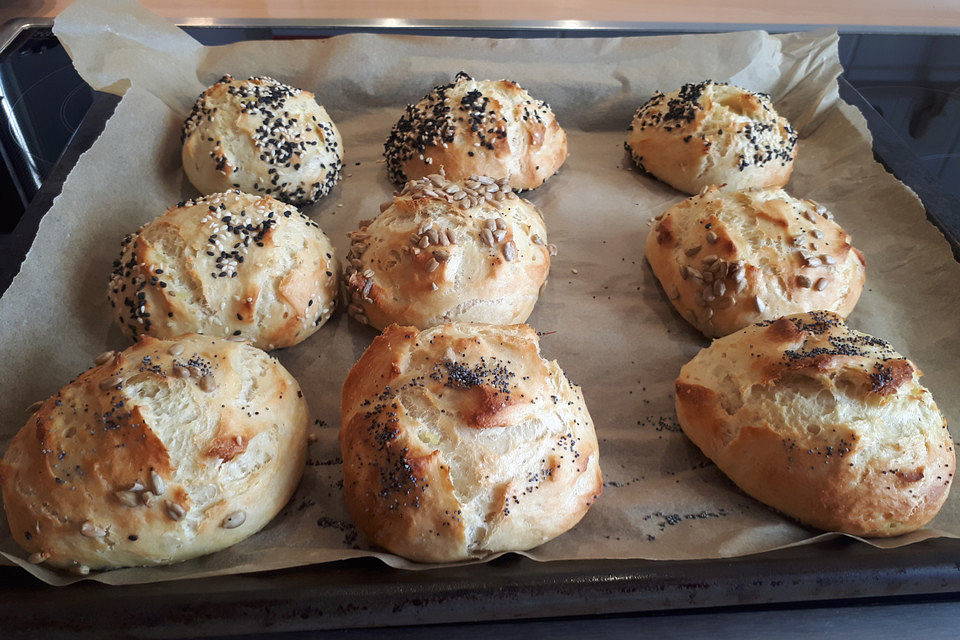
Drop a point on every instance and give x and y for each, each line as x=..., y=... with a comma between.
x=441, y=252
x=728, y=259
x=166, y=451
x=229, y=264
x=713, y=133
x=826, y=424
x=261, y=136
x=482, y=127
x=461, y=441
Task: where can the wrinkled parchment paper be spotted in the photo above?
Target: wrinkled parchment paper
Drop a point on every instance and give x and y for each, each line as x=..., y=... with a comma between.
x=616, y=333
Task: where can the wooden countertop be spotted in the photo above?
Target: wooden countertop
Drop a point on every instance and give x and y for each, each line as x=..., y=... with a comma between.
x=904, y=13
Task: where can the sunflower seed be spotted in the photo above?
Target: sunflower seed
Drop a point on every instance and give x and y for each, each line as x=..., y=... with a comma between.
x=112, y=382
x=459, y=195
x=103, y=358
x=499, y=235
x=91, y=530
x=719, y=288
x=147, y=498
x=510, y=251
x=434, y=237
x=691, y=272
x=709, y=259
x=442, y=255
x=365, y=293
x=813, y=261
x=444, y=240
x=708, y=295
x=180, y=371
x=485, y=180
x=803, y=281
x=175, y=511
x=157, y=485
x=207, y=383
x=816, y=233
x=38, y=557
x=553, y=249
x=827, y=259
x=175, y=349
x=234, y=520
x=761, y=307
x=708, y=313
x=707, y=277
x=821, y=284
x=711, y=237
x=451, y=236
x=368, y=273
x=809, y=215
x=490, y=223
x=501, y=223
x=431, y=266
x=33, y=408
x=424, y=242
x=741, y=283
x=385, y=205
x=692, y=251
x=537, y=239
x=431, y=193
x=452, y=189
x=487, y=237
x=821, y=209
x=465, y=203
x=726, y=302
x=493, y=188
x=127, y=498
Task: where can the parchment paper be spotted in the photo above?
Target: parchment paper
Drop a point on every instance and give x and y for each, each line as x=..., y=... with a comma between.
x=616, y=333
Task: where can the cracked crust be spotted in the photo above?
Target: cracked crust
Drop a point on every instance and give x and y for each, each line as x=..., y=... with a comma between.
x=238, y=445
x=826, y=424
x=713, y=133
x=772, y=254
x=461, y=440
x=388, y=275
x=228, y=264
x=484, y=127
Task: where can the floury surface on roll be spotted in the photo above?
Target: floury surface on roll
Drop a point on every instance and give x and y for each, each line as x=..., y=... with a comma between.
x=166, y=451
x=713, y=133
x=826, y=424
x=229, y=264
x=729, y=259
x=444, y=251
x=482, y=127
x=462, y=440
x=261, y=136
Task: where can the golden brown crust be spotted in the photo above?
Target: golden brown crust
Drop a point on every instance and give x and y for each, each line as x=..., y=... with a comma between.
x=713, y=133
x=443, y=251
x=823, y=423
x=461, y=440
x=229, y=264
x=133, y=464
x=477, y=127
x=261, y=136
x=728, y=259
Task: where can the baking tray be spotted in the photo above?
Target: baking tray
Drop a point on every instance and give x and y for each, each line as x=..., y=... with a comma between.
x=366, y=593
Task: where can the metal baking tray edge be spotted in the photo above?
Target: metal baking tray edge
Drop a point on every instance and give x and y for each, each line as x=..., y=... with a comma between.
x=366, y=593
